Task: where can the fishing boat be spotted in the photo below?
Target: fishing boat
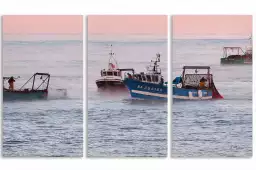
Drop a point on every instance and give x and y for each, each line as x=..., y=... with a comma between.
x=111, y=78
x=195, y=85
x=35, y=88
x=148, y=85
x=236, y=55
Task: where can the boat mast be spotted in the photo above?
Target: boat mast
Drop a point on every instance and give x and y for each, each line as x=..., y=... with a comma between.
x=154, y=70
x=111, y=58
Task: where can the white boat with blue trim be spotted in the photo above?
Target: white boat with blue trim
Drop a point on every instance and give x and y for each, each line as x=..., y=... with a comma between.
x=198, y=85
x=149, y=85
x=111, y=78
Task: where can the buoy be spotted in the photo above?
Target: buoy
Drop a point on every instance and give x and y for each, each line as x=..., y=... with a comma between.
x=190, y=95
x=200, y=94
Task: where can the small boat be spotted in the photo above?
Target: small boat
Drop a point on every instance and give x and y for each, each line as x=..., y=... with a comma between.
x=195, y=86
x=149, y=85
x=235, y=55
x=38, y=89
x=111, y=78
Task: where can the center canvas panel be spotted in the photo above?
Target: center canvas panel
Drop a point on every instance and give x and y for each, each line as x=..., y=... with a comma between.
x=127, y=88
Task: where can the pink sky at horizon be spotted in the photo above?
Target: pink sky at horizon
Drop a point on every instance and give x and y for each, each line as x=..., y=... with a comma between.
x=42, y=24
x=212, y=26
x=127, y=24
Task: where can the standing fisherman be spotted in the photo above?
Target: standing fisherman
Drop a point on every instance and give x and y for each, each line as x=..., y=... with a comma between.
x=11, y=83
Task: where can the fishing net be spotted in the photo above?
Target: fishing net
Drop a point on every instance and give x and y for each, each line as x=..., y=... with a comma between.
x=215, y=93
x=193, y=80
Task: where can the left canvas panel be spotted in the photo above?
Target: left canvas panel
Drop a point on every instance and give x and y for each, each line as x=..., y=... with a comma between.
x=43, y=86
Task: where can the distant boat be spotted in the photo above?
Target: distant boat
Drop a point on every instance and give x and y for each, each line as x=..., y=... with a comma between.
x=235, y=55
x=195, y=86
x=149, y=85
x=38, y=90
x=111, y=78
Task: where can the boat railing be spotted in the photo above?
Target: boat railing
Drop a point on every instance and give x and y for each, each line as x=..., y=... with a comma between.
x=149, y=78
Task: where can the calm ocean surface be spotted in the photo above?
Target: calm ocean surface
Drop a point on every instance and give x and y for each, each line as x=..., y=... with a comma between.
x=221, y=128
x=119, y=126
x=52, y=127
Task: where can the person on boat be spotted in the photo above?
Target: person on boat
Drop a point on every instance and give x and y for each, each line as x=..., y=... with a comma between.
x=202, y=83
x=162, y=81
x=11, y=83
x=129, y=75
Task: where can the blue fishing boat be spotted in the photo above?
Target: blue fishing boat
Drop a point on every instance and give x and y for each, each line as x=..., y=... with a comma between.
x=197, y=85
x=38, y=89
x=148, y=85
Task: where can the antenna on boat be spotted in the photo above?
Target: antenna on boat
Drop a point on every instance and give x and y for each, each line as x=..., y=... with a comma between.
x=250, y=38
x=158, y=57
x=111, y=53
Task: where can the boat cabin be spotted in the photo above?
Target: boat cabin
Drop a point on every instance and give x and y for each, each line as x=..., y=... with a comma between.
x=249, y=51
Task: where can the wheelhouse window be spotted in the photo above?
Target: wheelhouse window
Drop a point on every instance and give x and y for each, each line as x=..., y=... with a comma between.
x=110, y=73
x=139, y=77
x=103, y=73
x=144, y=78
x=148, y=78
x=153, y=78
x=115, y=73
x=156, y=79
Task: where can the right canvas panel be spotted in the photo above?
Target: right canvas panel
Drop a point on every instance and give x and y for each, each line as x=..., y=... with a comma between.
x=212, y=86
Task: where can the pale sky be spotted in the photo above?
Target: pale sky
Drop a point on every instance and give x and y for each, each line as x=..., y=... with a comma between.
x=43, y=24
x=128, y=24
x=212, y=26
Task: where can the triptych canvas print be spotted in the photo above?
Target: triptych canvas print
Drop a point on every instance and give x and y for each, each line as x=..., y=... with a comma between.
x=130, y=78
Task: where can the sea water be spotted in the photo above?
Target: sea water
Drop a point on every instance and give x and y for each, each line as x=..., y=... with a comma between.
x=51, y=127
x=119, y=126
x=220, y=128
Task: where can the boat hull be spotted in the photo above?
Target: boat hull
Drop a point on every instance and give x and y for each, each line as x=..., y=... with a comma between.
x=111, y=84
x=24, y=95
x=192, y=94
x=144, y=90
x=232, y=61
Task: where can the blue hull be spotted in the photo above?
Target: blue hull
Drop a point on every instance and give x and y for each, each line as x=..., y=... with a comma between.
x=191, y=94
x=145, y=90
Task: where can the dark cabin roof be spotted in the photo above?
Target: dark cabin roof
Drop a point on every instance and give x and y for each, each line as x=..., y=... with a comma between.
x=196, y=67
